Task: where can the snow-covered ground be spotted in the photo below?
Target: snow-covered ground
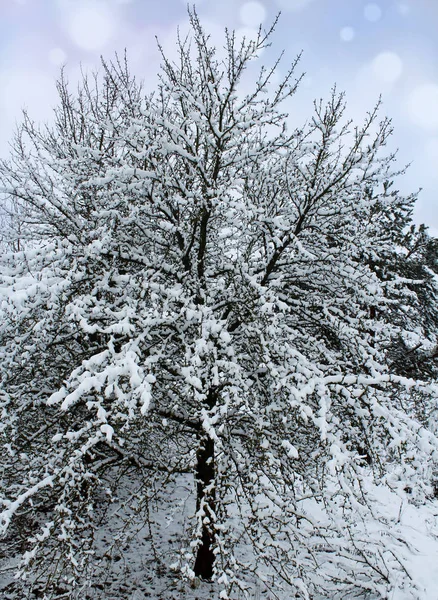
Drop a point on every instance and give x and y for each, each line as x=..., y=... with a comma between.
x=413, y=537
x=136, y=560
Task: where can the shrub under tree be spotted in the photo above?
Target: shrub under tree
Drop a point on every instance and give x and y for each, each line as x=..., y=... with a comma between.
x=195, y=292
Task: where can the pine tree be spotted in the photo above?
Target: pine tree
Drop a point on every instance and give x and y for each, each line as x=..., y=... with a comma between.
x=201, y=293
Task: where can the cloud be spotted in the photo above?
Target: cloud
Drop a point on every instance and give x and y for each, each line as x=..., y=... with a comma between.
x=422, y=106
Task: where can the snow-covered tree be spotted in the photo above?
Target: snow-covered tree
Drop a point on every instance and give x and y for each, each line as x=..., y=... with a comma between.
x=200, y=295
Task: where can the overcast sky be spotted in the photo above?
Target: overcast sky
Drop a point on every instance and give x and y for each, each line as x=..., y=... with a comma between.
x=366, y=48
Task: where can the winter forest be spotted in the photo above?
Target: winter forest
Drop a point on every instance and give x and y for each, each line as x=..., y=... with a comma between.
x=218, y=344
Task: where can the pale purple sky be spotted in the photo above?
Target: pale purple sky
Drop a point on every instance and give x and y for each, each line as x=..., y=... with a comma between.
x=366, y=48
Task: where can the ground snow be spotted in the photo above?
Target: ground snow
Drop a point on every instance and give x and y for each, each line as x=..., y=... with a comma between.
x=134, y=570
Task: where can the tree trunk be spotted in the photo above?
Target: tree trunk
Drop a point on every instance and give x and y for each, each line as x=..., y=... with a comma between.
x=205, y=474
x=206, y=492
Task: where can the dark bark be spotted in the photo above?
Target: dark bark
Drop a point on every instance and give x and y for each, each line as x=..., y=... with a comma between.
x=205, y=492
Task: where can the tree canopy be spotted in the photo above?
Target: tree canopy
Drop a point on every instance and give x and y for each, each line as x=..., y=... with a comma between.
x=192, y=291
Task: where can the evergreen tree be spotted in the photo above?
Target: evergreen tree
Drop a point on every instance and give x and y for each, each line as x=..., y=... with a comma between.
x=200, y=293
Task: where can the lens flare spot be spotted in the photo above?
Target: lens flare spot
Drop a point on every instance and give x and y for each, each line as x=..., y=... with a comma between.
x=347, y=34
x=57, y=56
x=387, y=67
x=91, y=25
x=252, y=14
x=372, y=12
